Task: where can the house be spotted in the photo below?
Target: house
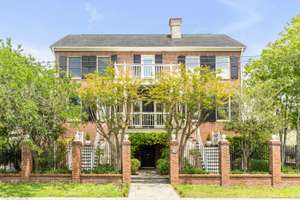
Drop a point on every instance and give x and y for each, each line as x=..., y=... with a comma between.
x=145, y=55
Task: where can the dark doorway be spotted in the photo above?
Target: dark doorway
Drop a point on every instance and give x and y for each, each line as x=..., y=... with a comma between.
x=147, y=153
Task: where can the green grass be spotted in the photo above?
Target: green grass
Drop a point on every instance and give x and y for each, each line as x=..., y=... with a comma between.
x=236, y=191
x=62, y=190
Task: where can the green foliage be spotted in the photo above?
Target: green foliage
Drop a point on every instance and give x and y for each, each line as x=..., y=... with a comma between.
x=165, y=153
x=290, y=170
x=188, y=169
x=259, y=166
x=208, y=138
x=135, y=165
x=62, y=190
x=87, y=136
x=138, y=139
x=163, y=166
x=34, y=103
x=103, y=169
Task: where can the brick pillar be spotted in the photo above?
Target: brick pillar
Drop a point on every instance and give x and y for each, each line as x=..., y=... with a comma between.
x=26, y=162
x=275, y=161
x=224, y=164
x=76, y=160
x=174, y=161
x=126, y=160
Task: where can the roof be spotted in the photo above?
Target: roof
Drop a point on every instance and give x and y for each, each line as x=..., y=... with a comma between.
x=146, y=40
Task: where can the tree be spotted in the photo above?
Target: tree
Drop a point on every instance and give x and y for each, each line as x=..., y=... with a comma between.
x=278, y=68
x=256, y=122
x=108, y=99
x=189, y=97
x=34, y=102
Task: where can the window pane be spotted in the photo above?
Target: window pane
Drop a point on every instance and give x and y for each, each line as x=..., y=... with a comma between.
x=192, y=62
x=103, y=63
x=159, y=107
x=88, y=64
x=222, y=66
x=75, y=66
x=136, y=107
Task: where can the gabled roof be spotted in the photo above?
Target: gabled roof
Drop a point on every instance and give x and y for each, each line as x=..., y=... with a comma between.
x=146, y=40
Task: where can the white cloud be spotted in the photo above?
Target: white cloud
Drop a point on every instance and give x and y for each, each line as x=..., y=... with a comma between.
x=92, y=12
x=247, y=14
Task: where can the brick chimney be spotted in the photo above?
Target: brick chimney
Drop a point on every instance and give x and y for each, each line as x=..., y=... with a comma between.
x=175, y=27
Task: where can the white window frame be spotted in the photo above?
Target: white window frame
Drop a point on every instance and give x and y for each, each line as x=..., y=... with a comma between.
x=197, y=64
x=68, y=67
x=223, y=61
x=97, y=66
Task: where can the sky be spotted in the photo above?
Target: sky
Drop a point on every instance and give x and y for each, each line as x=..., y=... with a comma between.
x=36, y=24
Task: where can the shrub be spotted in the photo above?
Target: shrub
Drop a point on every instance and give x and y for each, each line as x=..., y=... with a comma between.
x=105, y=169
x=165, y=153
x=188, y=169
x=290, y=170
x=259, y=166
x=163, y=166
x=135, y=165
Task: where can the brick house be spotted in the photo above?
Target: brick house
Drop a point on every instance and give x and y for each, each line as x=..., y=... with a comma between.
x=145, y=55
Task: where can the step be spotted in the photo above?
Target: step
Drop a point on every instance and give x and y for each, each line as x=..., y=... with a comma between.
x=137, y=179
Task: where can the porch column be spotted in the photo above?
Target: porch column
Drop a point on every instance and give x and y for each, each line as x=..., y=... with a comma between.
x=174, y=161
x=275, y=161
x=26, y=162
x=76, y=160
x=126, y=160
x=224, y=163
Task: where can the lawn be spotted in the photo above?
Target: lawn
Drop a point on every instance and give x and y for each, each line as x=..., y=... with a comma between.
x=62, y=190
x=236, y=191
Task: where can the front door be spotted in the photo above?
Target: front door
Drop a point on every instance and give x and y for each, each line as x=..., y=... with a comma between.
x=147, y=156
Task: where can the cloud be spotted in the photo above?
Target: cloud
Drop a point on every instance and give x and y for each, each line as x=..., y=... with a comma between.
x=248, y=15
x=92, y=12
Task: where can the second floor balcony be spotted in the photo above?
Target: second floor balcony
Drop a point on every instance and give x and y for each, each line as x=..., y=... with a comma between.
x=145, y=71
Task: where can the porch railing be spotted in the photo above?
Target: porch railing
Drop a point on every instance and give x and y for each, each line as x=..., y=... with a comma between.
x=145, y=71
x=147, y=120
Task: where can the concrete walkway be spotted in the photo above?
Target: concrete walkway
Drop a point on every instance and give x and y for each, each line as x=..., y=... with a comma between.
x=147, y=191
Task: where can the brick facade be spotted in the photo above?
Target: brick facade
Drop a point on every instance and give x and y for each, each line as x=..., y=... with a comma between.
x=126, y=161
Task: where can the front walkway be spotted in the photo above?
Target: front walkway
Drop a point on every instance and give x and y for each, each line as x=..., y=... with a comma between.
x=150, y=191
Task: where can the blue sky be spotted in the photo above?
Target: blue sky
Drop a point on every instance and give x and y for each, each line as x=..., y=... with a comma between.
x=36, y=24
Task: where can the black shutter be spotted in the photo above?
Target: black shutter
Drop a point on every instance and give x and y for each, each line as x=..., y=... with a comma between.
x=62, y=65
x=89, y=64
x=209, y=61
x=158, y=59
x=137, y=59
x=114, y=58
x=234, y=67
x=181, y=59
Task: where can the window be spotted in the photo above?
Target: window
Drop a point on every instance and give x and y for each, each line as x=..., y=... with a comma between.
x=103, y=63
x=223, y=66
x=136, y=107
x=88, y=64
x=159, y=107
x=192, y=62
x=62, y=66
x=75, y=67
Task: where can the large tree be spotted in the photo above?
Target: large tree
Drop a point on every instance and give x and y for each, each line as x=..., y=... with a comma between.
x=189, y=97
x=34, y=102
x=108, y=99
x=278, y=69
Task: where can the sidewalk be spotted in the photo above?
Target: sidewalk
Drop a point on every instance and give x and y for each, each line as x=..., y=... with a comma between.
x=148, y=191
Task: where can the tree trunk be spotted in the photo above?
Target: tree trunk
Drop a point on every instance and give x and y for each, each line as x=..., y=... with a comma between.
x=298, y=140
